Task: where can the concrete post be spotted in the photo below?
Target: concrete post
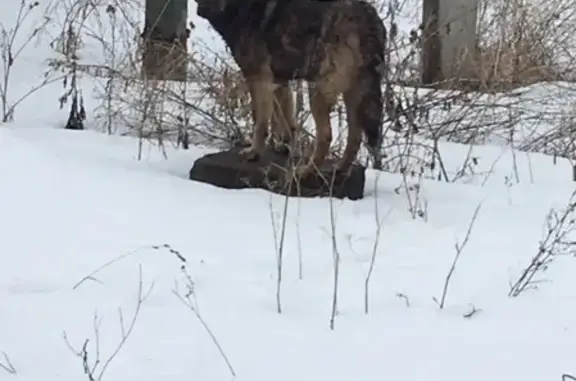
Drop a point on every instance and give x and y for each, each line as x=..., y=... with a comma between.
x=165, y=40
x=449, y=40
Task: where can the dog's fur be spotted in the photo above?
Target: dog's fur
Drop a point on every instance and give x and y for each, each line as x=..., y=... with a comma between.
x=337, y=46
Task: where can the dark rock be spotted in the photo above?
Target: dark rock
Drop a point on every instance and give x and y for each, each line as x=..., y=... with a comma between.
x=228, y=169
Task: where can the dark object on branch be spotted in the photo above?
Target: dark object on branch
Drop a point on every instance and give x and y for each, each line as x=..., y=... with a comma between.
x=77, y=114
x=229, y=169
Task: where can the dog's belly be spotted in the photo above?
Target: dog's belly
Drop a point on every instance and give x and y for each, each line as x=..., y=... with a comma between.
x=288, y=64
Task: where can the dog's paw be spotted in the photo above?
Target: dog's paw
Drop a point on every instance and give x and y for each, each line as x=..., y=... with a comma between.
x=281, y=148
x=250, y=153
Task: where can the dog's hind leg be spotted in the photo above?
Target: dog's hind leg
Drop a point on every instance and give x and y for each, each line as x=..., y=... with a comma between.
x=352, y=99
x=283, y=119
x=370, y=105
x=321, y=103
x=262, y=101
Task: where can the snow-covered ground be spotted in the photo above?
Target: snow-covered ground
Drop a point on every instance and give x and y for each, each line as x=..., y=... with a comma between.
x=72, y=201
x=89, y=235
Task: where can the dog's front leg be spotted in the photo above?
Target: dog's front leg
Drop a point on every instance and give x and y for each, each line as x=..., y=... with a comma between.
x=261, y=92
x=284, y=126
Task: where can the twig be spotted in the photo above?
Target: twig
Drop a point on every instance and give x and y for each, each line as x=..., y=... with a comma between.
x=404, y=297
x=189, y=300
x=378, y=223
x=471, y=313
x=7, y=364
x=336, y=260
x=127, y=332
x=94, y=372
x=299, y=242
x=459, y=248
x=91, y=275
x=555, y=243
x=279, y=245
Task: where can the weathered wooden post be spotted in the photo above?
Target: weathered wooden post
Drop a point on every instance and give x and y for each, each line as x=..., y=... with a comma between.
x=449, y=40
x=165, y=40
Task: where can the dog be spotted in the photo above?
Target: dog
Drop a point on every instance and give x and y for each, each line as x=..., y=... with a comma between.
x=336, y=46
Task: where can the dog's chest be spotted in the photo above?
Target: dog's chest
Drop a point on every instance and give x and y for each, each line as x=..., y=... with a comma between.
x=293, y=45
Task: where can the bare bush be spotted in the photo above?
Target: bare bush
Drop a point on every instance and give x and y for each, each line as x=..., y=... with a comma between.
x=524, y=42
x=557, y=241
x=93, y=364
x=67, y=45
x=109, y=35
x=13, y=41
x=520, y=43
x=75, y=38
x=516, y=42
x=187, y=296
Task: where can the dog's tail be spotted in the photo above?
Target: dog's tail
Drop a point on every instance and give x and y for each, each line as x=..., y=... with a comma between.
x=370, y=110
x=371, y=107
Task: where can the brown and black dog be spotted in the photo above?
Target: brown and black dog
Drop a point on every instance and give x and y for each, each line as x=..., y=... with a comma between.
x=336, y=46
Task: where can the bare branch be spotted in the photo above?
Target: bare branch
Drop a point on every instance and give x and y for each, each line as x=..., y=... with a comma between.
x=7, y=364
x=188, y=299
x=459, y=248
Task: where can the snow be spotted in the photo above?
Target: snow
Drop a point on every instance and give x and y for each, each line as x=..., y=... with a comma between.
x=73, y=201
